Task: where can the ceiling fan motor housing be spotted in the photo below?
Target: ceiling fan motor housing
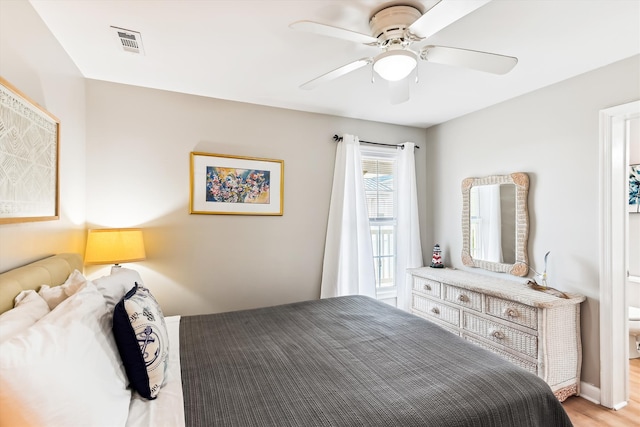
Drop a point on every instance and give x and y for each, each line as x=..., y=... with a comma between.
x=390, y=25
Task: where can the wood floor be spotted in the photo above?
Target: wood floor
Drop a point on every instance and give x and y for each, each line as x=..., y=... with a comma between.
x=586, y=414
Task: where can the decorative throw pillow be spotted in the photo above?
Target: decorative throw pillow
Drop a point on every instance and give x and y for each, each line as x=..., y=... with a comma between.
x=141, y=335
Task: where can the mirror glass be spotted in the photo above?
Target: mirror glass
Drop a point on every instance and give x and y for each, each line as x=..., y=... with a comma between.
x=495, y=223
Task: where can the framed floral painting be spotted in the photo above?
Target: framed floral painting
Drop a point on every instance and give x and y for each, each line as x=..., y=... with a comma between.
x=634, y=188
x=232, y=185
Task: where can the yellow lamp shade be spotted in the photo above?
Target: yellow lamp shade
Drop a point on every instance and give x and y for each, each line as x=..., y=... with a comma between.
x=114, y=246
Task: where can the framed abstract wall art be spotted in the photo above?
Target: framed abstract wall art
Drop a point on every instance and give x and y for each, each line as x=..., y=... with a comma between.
x=634, y=188
x=29, y=159
x=233, y=185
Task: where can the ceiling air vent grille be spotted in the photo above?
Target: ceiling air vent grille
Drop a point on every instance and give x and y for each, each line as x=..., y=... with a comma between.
x=129, y=41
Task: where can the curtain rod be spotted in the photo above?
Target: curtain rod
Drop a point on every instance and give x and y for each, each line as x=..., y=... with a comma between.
x=337, y=138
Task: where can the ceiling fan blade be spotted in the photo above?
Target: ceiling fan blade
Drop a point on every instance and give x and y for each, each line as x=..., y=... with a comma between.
x=399, y=91
x=331, y=31
x=338, y=72
x=443, y=14
x=482, y=61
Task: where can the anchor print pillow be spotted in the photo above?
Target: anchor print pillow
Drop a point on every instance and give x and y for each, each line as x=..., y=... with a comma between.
x=141, y=335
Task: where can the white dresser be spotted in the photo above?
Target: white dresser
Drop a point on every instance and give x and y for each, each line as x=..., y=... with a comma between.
x=535, y=330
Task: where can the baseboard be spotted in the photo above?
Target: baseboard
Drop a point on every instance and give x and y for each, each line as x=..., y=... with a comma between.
x=590, y=392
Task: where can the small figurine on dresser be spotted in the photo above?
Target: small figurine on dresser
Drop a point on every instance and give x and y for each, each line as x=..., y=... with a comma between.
x=436, y=260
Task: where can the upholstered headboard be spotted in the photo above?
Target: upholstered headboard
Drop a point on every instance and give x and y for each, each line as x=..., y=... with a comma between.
x=52, y=271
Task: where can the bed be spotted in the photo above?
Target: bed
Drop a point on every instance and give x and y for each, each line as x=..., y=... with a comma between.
x=347, y=361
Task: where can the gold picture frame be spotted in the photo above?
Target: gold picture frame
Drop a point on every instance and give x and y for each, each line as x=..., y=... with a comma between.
x=222, y=184
x=30, y=148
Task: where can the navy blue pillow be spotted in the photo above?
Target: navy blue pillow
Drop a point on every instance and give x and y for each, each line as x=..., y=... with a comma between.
x=141, y=336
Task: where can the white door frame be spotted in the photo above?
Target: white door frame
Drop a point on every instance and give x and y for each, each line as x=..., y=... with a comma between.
x=614, y=332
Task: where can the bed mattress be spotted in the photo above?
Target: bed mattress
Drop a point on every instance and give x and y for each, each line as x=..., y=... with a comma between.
x=349, y=361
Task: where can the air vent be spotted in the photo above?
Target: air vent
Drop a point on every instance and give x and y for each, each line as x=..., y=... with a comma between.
x=129, y=41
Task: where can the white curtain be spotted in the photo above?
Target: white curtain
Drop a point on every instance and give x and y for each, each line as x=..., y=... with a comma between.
x=408, y=249
x=348, y=254
x=490, y=235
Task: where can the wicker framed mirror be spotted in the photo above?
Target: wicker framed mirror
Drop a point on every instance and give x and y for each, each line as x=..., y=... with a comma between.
x=495, y=223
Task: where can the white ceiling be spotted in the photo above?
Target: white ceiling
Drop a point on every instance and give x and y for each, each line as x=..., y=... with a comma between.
x=244, y=50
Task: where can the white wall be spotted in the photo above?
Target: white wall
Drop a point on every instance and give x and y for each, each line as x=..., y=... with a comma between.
x=138, y=145
x=33, y=61
x=552, y=134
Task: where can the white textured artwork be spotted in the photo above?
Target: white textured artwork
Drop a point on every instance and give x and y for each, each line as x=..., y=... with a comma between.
x=28, y=159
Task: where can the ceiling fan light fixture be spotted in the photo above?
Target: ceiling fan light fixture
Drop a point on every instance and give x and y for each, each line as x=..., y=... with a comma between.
x=395, y=65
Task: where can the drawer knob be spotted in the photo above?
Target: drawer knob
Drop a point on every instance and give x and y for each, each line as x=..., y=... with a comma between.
x=511, y=312
x=463, y=298
x=427, y=287
x=497, y=335
x=435, y=310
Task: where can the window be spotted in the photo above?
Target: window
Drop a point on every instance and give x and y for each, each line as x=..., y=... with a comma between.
x=379, y=169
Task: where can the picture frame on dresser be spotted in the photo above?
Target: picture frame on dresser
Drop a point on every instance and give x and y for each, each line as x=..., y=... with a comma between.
x=30, y=145
x=223, y=184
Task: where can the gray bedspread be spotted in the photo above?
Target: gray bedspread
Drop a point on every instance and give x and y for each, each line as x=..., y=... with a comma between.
x=349, y=361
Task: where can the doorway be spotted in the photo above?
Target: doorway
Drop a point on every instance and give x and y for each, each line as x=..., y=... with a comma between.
x=614, y=151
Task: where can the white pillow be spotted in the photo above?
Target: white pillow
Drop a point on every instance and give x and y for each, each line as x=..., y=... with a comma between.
x=65, y=369
x=55, y=295
x=115, y=286
x=28, y=308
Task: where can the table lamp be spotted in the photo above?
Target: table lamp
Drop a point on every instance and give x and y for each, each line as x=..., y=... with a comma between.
x=114, y=246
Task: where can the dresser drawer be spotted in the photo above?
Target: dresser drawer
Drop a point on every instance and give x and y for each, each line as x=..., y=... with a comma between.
x=426, y=286
x=513, y=312
x=463, y=297
x=529, y=366
x=500, y=334
x=436, y=310
x=455, y=330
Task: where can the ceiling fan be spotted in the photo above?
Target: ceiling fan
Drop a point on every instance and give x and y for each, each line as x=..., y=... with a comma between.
x=396, y=30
